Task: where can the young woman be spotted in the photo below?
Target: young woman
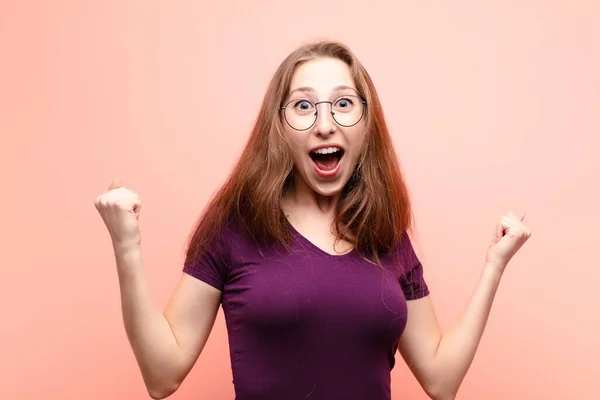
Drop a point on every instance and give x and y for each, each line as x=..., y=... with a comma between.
x=307, y=249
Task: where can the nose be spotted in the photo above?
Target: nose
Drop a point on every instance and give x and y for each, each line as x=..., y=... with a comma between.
x=325, y=125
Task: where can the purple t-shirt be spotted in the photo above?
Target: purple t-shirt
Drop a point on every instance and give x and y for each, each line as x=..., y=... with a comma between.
x=307, y=324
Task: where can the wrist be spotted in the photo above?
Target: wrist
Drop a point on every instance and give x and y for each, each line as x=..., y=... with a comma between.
x=493, y=270
x=128, y=258
x=126, y=248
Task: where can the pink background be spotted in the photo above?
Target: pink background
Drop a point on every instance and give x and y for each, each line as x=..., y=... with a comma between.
x=492, y=107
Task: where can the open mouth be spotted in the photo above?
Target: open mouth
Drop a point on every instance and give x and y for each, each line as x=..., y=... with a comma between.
x=327, y=159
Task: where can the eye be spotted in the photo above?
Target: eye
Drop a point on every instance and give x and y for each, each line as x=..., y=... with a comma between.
x=343, y=103
x=303, y=105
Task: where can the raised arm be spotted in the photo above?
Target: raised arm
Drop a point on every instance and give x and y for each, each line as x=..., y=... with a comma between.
x=440, y=361
x=166, y=345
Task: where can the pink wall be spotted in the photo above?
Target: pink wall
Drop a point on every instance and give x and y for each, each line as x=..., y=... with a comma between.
x=492, y=107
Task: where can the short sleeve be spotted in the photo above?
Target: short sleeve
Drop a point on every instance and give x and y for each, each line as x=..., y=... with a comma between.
x=411, y=277
x=211, y=266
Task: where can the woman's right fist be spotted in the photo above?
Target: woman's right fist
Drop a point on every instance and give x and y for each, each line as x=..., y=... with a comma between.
x=119, y=208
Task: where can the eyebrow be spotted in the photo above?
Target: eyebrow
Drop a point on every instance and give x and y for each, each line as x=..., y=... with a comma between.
x=311, y=90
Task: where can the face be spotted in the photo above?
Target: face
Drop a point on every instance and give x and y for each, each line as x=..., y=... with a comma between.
x=325, y=147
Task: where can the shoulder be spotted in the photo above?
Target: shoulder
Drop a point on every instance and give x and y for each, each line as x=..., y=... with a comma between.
x=407, y=265
x=403, y=256
x=231, y=238
x=217, y=252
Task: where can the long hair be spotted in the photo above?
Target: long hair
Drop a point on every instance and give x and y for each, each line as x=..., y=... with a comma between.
x=374, y=210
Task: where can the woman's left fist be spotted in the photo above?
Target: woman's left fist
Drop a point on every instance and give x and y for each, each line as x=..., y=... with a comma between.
x=511, y=233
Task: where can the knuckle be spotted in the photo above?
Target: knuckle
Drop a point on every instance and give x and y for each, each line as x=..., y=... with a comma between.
x=104, y=203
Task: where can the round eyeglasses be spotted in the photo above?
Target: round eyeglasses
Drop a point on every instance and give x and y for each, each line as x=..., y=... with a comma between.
x=347, y=111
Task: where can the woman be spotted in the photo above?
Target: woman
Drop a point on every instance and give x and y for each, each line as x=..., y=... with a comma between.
x=307, y=248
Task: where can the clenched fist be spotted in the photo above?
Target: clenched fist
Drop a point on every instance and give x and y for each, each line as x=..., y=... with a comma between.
x=119, y=208
x=511, y=233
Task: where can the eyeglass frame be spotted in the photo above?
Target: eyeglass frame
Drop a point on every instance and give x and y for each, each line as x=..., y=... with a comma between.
x=360, y=97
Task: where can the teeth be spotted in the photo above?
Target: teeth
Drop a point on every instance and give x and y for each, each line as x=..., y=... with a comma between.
x=327, y=150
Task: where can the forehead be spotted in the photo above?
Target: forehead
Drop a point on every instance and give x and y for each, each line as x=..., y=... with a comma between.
x=322, y=75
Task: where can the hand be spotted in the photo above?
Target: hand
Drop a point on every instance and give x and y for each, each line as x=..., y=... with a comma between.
x=511, y=233
x=119, y=208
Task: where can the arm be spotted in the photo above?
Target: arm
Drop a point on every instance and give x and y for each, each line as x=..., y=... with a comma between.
x=440, y=362
x=166, y=345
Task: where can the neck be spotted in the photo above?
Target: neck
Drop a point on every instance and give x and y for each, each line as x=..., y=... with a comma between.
x=302, y=198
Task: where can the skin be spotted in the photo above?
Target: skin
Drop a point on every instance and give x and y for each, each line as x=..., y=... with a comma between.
x=310, y=205
x=167, y=344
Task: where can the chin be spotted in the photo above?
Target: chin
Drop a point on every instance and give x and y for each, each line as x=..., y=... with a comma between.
x=328, y=188
x=327, y=192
